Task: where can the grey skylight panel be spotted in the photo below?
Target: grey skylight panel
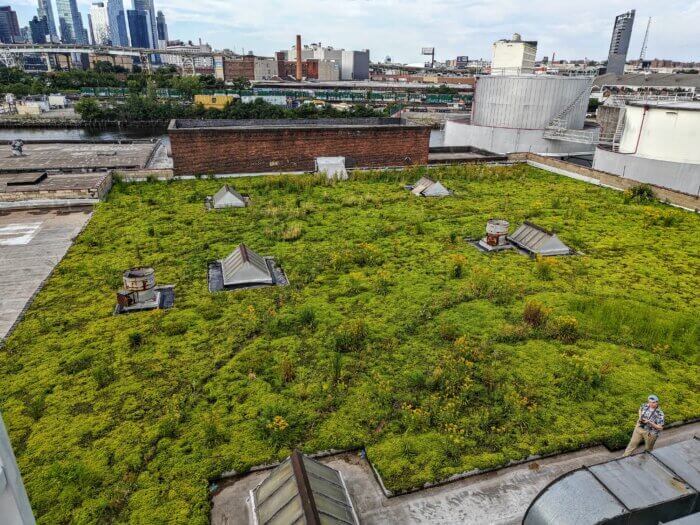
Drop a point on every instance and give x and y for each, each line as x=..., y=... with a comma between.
x=640, y=481
x=227, y=197
x=421, y=185
x=302, y=491
x=538, y=240
x=436, y=189
x=577, y=499
x=684, y=459
x=244, y=266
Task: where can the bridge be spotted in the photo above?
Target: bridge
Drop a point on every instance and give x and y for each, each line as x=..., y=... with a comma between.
x=11, y=55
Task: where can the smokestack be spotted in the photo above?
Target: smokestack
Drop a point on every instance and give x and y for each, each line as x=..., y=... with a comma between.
x=299, y=71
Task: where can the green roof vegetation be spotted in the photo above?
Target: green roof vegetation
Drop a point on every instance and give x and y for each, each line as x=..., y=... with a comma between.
x=394, y=334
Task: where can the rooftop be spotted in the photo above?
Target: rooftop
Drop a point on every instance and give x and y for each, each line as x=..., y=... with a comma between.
x=650, y=80
x=189, y=124
x=688, y=105
x=389, y=322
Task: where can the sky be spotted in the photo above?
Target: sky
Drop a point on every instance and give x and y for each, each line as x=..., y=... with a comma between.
x=399, y=28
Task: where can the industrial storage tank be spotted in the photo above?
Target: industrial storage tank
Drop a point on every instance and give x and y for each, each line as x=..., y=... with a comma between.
x=530, y=101
x=668, y=131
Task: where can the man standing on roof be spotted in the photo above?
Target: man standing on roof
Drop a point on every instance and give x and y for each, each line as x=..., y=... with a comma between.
x=649, y=424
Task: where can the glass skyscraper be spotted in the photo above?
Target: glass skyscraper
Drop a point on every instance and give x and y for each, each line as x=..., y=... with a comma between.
x=117, y=23
x=45, y=10
x=70, y=22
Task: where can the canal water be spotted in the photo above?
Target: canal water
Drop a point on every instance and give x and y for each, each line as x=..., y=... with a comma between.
x=59, y=134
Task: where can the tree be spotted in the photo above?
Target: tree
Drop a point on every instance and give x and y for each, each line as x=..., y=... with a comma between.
x=187, y=86
x=89, y=109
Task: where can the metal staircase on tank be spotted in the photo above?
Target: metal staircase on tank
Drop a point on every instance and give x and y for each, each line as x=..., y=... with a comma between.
x=557, y=128
x=619, y=129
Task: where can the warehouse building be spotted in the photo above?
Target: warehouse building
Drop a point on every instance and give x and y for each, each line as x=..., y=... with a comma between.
x=263, y=146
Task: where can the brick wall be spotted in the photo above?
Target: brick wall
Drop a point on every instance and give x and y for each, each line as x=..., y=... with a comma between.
x=254, y=150
x=235, y=68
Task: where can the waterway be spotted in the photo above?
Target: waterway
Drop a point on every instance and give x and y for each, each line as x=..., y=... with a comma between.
x=59, y=134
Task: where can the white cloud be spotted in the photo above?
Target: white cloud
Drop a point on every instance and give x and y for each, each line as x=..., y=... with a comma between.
x=455, y=27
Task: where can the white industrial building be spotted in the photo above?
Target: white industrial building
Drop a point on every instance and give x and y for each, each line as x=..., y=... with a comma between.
x=527, y=113
x=99, y=18
x=656, y=143
x=513, y=57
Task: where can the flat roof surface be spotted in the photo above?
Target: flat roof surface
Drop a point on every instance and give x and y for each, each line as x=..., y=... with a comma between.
x=31, y=244
x=651, y=80
x=71, y=156
x=52, y=182
x=289, y=123
x=685, y=105
x=498, y=497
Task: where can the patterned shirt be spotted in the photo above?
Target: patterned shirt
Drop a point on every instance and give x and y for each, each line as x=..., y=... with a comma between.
x=654, y=415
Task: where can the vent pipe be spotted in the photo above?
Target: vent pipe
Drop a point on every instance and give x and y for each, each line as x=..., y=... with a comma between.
x=299, y=71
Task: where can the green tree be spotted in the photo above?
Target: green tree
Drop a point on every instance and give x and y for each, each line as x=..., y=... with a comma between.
x=188, y=86
x=89, y=109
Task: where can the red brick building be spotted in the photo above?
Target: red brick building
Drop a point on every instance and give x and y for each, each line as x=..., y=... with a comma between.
x=258, y=146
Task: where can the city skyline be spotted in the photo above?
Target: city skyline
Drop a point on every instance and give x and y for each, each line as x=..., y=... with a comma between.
x=444, y=25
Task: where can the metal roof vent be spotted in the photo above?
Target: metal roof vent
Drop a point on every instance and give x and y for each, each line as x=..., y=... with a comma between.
x=227, y=197
x=141, y=293
x=496, y=236
x=244, y=268
x=538, y=241
x=426, y=187
x=302, y=490
x=333, y=167
x=645, y=488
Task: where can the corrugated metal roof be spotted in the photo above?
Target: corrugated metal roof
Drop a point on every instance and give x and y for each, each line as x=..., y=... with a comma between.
x=302, y=490
x=227, y=197
x=244, y=266
x=536, y=240
x=647, y=490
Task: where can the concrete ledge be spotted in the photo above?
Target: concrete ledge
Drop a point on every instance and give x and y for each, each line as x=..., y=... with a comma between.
x=47, y=204
x=602, y=178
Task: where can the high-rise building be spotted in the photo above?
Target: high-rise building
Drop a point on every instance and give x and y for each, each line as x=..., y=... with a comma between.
x=140, y=28
x=39, y=29
x=9, y=26
x=513, y=57
x=117, y=23
x=620, y=42
x=45, y=10
x=70, y=22
x=100, y=24
x=162, y=28
x=147, y=5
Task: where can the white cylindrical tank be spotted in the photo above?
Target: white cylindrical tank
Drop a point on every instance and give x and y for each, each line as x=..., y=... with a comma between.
x=529, y=101
x=663, y=131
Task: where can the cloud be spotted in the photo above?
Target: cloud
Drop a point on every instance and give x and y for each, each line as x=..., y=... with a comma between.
x=399, y=28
